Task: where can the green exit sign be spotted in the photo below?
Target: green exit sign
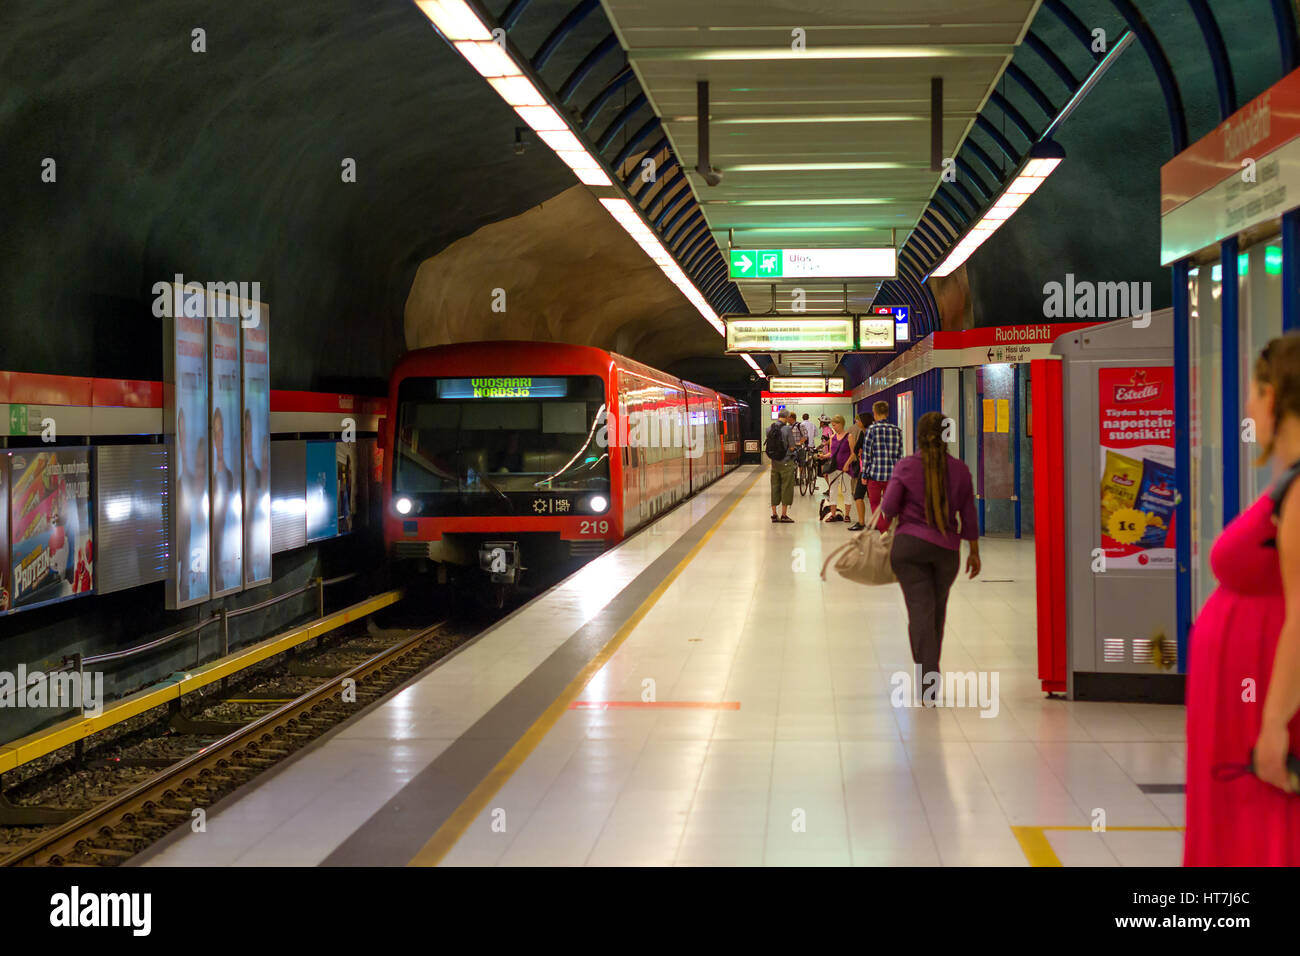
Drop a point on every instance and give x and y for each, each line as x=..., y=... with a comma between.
x=813, y=263
x=757, y=263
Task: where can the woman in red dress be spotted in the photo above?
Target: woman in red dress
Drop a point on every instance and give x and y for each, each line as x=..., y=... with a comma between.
x=1243, y=675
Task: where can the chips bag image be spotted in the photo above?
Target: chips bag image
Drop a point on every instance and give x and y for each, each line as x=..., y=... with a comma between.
x=1119, y=485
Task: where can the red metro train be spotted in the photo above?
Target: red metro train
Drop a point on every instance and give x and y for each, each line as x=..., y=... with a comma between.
x=506, y=455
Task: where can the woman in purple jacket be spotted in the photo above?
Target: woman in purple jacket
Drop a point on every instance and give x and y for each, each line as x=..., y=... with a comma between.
x=838, y=452
x=931, y=494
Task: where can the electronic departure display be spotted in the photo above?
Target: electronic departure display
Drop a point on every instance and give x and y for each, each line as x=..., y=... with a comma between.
x=452, y=388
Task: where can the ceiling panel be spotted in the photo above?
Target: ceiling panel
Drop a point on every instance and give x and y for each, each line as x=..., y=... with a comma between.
x=857, y=97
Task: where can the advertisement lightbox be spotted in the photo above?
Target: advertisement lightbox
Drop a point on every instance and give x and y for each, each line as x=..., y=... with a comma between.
x=322, y=490
x=185, y=424
x=256, y=365
x=227, y=473
x=4, y=534
x=53, y=546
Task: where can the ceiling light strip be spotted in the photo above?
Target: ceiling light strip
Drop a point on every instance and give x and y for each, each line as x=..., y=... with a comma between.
x=1043, y=159
x=466, y=32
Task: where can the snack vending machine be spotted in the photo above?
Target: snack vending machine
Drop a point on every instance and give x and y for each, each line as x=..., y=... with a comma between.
x=1119, y=497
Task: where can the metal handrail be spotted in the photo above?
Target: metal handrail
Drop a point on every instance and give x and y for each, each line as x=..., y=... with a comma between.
x=76, y=662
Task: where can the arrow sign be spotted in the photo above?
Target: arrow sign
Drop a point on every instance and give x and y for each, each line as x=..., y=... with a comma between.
x=990, y=354
x=744, y=263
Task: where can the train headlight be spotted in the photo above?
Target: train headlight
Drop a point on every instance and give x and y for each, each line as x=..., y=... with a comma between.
x=597, y=503
x=403, y=506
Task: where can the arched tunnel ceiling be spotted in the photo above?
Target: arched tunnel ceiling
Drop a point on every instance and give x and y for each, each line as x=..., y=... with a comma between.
x=225, y=165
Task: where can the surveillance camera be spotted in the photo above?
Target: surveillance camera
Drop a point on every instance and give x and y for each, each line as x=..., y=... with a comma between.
x=711, y=176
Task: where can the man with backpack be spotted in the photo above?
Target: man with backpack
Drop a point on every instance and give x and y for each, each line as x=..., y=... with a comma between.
x=778, y=445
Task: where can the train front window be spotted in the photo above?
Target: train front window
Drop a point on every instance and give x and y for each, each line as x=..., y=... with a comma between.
x=500, y=437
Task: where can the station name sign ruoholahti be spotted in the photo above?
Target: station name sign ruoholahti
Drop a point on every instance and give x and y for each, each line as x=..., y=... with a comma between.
x=1243, y=172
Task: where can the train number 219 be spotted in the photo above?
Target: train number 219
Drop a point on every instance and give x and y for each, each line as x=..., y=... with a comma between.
x=593, y=527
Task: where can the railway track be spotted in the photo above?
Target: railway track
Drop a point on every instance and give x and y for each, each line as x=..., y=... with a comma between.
x=113, y=831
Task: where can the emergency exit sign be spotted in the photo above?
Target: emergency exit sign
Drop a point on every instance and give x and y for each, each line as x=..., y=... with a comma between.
x=813, y=263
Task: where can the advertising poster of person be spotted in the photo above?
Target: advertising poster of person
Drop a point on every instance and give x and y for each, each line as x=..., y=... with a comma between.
x=1138, y=487
x=322, y=490
x=227, y=500
x=257, y=451
x=50, y=520
x=346, y=464
x=185, y=352
x=5, y=583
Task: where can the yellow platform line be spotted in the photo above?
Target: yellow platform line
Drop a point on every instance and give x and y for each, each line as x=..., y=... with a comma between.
x=447, y=835
x=1038, y=849
x=42, y=742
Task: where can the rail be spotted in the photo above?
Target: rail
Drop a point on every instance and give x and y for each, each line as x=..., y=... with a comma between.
x=77, y=662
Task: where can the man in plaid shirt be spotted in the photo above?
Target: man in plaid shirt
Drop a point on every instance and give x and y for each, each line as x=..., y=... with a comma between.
x=882, y=447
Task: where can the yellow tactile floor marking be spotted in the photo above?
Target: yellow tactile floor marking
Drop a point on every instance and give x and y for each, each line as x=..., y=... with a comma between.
x=1038, y=850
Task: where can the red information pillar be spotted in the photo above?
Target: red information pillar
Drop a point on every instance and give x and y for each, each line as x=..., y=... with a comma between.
x=1049, y=520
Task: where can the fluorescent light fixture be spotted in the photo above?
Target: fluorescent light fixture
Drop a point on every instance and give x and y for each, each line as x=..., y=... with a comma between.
x=816, y=167
x=798, y=202
x=488, y=58
x=454, y=19
x=857, y=52
x=632, y=223
x=457, y=22
x=517, y=91
x=753, y=364
x=541, y=118
x=562, y=141
x=824, y=118
x=1044, y=157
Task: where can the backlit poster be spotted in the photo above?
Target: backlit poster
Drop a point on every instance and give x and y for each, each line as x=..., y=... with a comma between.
x=4, y=534
x=185, y=420
x=53, y=547
x=227, y=501
x=1138, y=487
x=257, y=451
x=322, y=490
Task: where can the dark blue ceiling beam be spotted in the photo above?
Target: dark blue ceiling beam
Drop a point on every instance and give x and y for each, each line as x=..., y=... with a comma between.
x=513, y=13
x=954, y=214
x=636, y=139
x=1073, y=24
x=973, y=177
x=1013, y=114
x=1164, y=72
x=1036, y=43
x=984, y=158
x=583, y=69
x=561, y=33
x=1224, y=84
x=660, y=145
x=616, y=83
x=1000, y=141
x=1284, y=18
x=621, y=120
x=1026, y=83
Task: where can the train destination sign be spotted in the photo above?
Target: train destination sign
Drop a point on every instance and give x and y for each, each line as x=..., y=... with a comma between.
x=790, y=335
x=813, y=263
x=451, y=388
